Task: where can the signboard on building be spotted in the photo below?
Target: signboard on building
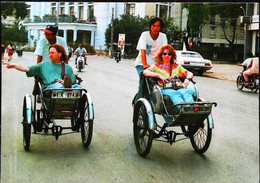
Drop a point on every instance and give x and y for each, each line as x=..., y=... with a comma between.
x=121, y=42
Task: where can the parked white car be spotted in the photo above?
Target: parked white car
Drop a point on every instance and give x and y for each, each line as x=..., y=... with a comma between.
x=191, y=60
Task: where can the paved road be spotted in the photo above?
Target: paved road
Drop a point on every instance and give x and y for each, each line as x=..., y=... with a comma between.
x=233, y=155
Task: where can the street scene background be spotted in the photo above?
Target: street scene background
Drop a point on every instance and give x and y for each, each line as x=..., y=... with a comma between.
x=233, y=155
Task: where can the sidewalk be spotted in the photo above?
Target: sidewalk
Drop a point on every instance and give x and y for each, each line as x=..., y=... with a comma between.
x=224, y=71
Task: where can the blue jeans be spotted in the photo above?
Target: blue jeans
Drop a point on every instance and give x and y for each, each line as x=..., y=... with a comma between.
x=178, y=96
x=59, y=85
x=191, y=87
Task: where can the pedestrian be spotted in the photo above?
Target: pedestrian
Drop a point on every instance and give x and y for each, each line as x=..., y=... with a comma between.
x=149, y=44
x=10, y=51
x=3, y=51
x=43, y=46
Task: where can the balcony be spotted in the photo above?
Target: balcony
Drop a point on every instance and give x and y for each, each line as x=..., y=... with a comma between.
x=62, y=18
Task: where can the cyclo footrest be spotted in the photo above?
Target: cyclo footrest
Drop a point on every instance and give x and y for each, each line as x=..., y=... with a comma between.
x=56, y=131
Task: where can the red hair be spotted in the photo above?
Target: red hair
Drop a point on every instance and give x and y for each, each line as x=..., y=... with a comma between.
x=168, y=47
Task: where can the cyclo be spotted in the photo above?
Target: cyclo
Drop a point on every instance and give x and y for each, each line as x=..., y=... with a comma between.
x=74, y=104
x=194, y=119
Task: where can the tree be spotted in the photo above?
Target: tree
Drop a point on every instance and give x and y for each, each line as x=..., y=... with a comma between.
x=19, y=9
x=133, y=26
x=129, y=25
x=13, y=33
x=228, y=14
x=197, y=14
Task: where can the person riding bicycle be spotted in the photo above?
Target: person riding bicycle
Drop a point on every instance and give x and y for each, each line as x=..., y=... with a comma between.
x=81, y=51
x=51, y=72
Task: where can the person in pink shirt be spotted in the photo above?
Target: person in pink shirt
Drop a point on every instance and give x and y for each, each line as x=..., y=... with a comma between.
x=252, y=68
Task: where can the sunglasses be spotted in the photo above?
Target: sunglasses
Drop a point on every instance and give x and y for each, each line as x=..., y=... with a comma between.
x=170, y=54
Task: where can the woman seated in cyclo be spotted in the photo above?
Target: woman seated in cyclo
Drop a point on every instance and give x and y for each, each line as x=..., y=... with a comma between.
x=50, y=72
x=166, y=69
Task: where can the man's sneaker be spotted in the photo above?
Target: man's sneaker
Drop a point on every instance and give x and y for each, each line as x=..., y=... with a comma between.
x=67, y=82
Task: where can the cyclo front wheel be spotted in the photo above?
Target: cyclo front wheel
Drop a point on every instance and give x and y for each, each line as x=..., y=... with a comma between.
x=86, y=124
x=143, y=136
x=201, y=136
x=27, y=115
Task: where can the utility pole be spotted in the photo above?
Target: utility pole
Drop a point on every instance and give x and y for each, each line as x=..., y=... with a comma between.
x=57, y=13
x=112, y=34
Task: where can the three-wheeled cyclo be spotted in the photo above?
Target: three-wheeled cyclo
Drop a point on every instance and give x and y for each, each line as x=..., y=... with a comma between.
x=57, y=105
x=194, y=119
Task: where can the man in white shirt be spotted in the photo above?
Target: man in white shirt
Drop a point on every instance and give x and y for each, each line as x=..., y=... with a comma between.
x=80, y=51
x=43, y=45
x=149, y=45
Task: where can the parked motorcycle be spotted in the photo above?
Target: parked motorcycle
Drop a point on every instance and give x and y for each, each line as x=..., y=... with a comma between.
x=80, y=63
x=254, y=82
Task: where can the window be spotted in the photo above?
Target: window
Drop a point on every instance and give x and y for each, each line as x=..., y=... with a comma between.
x=71, y=10
x=71, y=3
x=81, y=11
x=62, y=4
x=53, y=4
x=91, y=17
x=129, y=8
x=163, y=10
x=53, y=10
x=62, y=10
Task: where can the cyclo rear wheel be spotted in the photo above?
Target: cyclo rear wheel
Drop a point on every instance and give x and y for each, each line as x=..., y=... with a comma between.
x=86, y=123
x=143, y=136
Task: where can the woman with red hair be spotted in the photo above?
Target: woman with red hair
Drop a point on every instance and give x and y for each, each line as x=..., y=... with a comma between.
x=166, y=69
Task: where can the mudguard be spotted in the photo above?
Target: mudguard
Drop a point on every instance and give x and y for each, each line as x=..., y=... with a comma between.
x=209, y=118
x=28, y=103
x=91, y=107
x=149, y=111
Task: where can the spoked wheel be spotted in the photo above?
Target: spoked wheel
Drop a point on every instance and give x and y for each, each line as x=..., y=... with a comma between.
x=86, y=124
x=143, y=136
x=27, y=118
x=240, y=86
x=201, y=139
x=200, y=135
x=255, y=88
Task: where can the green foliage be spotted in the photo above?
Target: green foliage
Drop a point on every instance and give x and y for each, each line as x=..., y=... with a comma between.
x=173, y=32
x=133, y=26
x=13, y=34
x=19, y=9
x=198, y=13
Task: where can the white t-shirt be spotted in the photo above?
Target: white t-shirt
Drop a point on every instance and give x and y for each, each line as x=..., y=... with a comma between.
x=247, y=62
x=80, y=51
x=151, y=46
x=43, y=47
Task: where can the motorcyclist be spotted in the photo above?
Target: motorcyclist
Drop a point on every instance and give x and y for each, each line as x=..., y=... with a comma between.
x=246, y=61
x=252, y=68
x=117, y=54
x=81, y=51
